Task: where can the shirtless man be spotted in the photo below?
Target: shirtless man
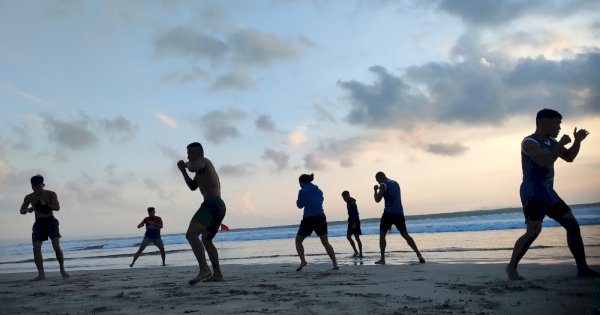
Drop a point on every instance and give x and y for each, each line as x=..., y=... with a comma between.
x=353, y=223
x=393, y=214
x=43, y=202
x=539, y=151
x=207, y=220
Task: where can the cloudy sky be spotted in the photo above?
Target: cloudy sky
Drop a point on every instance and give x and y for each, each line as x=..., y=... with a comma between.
x=102, y=97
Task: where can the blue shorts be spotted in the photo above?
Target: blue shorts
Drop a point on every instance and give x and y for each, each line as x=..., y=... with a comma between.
x=540, y=201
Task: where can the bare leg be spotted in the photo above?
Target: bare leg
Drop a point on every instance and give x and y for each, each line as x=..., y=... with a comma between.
x=138, y=253
x=349, y=237
x=329, y=250
x=576, y=246
x=194, y=231
x=521, y=246
x=413, y=245
x=161, y=248
x=300, y=250
x=214, y=260
x=382, y=244
x=39, y=261
x=359, y=246
x=59, y=256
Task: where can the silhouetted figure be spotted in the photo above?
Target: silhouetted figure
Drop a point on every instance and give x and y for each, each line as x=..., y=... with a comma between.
x=310, y=197
x=153, y=225
x=43, y=202
x=207, y=220
x=539, y=151
x=393, y=214
x=353, y=223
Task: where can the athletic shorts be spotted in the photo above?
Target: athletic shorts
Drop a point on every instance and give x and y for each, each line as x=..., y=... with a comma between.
x=310, y=224
x=45, y=228
x=542, y=202
x=211, y=214
x=157, y=241
x=389, y=219
x=354, y=228
x=152, y=233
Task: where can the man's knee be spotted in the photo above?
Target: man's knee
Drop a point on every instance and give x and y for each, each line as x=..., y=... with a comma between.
x=37, y=246
x=191, y=235
x=405, y=235
x=533, y=233
x=349, y=237
x=572, y=227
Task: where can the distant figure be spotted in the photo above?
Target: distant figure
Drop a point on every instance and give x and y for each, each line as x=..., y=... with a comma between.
x=539, y=151
x=393, y=214
x=310, y=197
x=353, y=223
x=153, y=225
x=43, y=202
x=208, y=218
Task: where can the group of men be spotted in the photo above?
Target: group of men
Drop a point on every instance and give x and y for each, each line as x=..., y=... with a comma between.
x=539, y=152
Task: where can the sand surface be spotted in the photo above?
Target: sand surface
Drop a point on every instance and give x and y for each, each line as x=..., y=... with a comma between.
x=431, y=288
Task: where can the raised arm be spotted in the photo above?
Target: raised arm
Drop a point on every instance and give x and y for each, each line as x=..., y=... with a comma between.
x=379, y=191
x=142, y=224
x=25, y=205
x=541, y=156
x=570, y=154
x=190, y=182
x=53, y=204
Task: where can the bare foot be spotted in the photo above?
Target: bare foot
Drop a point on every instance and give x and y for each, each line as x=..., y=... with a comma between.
x=131, y=265
x=588, y=273
x=302, y=264
x=421, y=260
x=335, y=267
x=380, y=262
x=214, y=278
x=361, y=256
x=64, y=274
x=200, y=277
x=513, y=274
x=164, y=264
x=355, y=255
x=39, y=278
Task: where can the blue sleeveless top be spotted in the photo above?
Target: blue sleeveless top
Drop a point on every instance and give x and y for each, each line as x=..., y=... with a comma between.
x=538, y=181
x=393, y=201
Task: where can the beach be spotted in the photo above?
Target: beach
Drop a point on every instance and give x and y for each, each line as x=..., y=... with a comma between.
x=412, y=288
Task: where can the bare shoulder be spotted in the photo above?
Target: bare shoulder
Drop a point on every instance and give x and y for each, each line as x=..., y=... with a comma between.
x=28, y=197
x=51, y=193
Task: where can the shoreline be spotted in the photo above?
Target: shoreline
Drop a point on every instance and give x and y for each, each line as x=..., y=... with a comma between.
x=431, y=288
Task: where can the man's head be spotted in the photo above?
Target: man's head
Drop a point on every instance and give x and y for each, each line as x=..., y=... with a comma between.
x=151, y=211
x=547, y=122
x=346, y=195
x=37, y=183
x=195, y=156
x=305, y=179
x=380, y=177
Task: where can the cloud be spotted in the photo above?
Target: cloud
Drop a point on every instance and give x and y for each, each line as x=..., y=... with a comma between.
x=446, y=149
x=492, y=13
x=475, y=92
x=166, y=120
x=237, y=170
x=297, y=137
x=72, y=135
x=169, y=152
x=87, y=191
x=119, y=128
x=265, y=123
x=256, y=48
x=233, y=81
x=279, y=157
x=158, y=188
x=110, y=168
x=185, y=41
x=186, y=76
x=323, y=115
x=313, y=162
x=346, y=163
x=218, y=125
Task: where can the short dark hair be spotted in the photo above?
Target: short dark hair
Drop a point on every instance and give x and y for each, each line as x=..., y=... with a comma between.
x=380, y=174
x=36, y=180
x=305, y=178
x=345, y=193
x=196, y=145
x=150, y=209
x=548, y=114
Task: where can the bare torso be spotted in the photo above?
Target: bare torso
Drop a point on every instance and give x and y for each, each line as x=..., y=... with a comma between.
x=208, y=181
x=45, y=197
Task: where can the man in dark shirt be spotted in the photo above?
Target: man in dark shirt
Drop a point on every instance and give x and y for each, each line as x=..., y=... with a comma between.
x=353, y=223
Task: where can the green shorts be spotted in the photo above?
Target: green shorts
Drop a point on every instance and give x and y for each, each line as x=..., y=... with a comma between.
x=211, y=214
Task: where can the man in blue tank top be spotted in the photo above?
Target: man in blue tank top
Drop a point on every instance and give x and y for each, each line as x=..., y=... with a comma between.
x=393, y=214
x=539, y=151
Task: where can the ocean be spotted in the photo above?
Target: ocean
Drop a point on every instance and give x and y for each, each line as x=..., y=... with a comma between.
x=474, y=237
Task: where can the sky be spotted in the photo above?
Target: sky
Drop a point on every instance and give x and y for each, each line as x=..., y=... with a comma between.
x=102, y=97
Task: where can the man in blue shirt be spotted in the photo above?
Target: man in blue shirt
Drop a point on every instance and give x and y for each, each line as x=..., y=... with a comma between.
x=393, y=214
x=539, y=151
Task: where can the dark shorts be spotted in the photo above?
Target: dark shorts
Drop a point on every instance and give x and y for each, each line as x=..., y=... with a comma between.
x=535, y=209
x=211, y=214
x=45, y=228
x=157, y=241
x=354, y=228
x=152, y=234
x=310, y=224
x=389, y=219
